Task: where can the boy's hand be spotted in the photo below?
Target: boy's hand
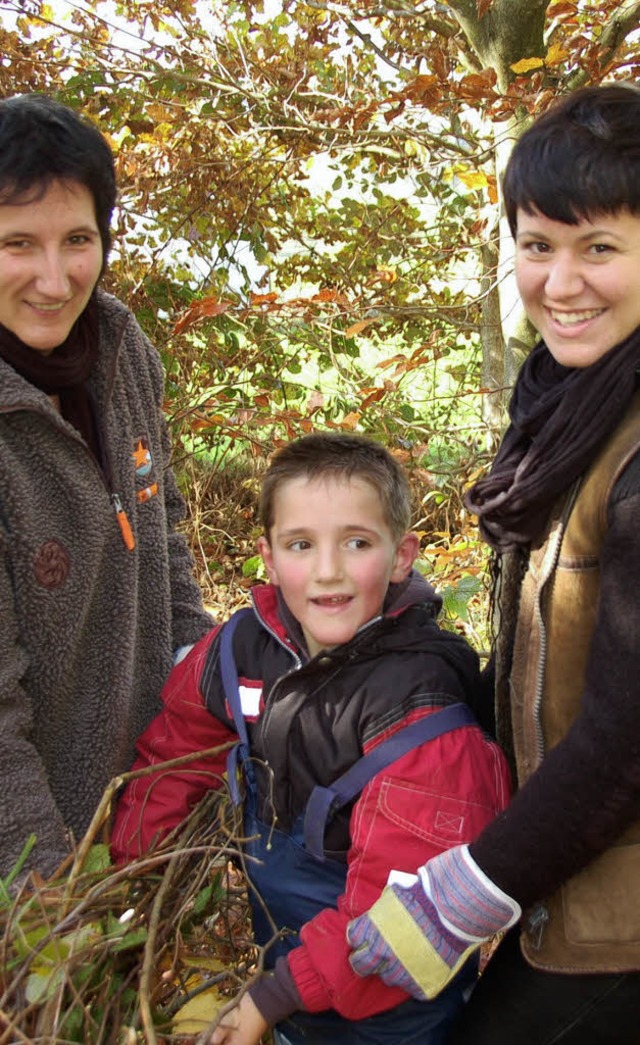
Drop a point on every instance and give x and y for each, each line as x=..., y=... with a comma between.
x=419, y=937
x=242, y=1025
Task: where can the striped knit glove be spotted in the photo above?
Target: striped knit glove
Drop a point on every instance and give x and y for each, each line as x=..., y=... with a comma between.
x=419, y=937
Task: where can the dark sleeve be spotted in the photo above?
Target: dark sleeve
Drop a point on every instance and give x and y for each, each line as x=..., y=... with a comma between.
x=485, y=706
x=275, y=994
x=587, y=791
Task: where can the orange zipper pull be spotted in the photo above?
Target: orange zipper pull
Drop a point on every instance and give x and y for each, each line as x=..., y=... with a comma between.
x=123, y=522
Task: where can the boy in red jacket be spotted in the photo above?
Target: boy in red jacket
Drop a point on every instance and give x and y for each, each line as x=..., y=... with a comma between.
x=360, y=756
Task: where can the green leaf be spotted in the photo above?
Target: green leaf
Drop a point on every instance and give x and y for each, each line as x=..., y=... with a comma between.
x=136, y=938
x=455, y=598
x=72, y=1025
x=98, y=859
x=253, y=567
x=202, y=899
x=16, y=869
x=43, y=983
x=469, y=585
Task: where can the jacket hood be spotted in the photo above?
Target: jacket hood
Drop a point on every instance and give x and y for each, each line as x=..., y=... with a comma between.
x=411, y=592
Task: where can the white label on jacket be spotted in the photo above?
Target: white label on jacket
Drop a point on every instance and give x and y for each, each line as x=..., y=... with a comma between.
x=402, y=878
x=250, y=697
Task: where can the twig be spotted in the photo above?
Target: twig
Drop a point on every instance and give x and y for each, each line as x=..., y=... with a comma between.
x=182, y=999
x=11, y=1028
x=104, y=805
x=204, y=1037
x=149, y=953
x=82, y=914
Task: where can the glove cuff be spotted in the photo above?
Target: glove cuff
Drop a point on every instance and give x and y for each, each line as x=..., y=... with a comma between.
x=468, y=902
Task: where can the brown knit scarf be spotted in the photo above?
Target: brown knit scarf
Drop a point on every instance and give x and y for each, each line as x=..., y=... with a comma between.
x=560, y=417
x=65, y=371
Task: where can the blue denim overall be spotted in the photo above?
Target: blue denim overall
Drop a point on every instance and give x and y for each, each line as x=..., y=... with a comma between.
x=292, y=878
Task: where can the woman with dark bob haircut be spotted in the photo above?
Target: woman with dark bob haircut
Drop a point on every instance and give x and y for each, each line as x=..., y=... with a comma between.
x=96, y=590
x=561, y=511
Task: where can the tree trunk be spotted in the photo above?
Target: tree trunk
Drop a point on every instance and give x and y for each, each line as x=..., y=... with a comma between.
x=493, y=348
x=509, y=31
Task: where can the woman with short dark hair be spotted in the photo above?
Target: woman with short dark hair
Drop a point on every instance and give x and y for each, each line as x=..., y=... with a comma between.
x=561, y=510
x=96, y=589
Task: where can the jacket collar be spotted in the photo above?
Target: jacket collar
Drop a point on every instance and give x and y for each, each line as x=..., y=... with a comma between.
x=16, y=393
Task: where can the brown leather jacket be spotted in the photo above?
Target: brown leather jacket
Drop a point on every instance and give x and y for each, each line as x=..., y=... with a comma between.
x=592, y=923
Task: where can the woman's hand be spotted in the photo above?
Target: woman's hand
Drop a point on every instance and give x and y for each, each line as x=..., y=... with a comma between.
x=418, y=937
x=242, y=1025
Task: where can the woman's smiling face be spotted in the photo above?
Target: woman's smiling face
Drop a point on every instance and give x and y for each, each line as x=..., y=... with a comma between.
x=580, y=284
x=50, y=261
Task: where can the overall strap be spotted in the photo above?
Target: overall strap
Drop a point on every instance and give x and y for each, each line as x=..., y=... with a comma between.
x=325, y=801
x=239, y=753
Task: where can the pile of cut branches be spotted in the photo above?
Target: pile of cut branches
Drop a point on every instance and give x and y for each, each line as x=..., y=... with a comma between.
x=104, y=954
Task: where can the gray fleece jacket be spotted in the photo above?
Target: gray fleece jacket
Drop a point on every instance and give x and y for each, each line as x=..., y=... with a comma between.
x=88, y=626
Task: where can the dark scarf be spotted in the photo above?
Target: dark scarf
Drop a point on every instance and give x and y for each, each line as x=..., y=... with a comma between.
x=560, y=418
x=65, y=371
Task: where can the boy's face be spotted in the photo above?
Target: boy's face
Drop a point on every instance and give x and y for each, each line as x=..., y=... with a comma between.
x=332, y=554
x=580, y=284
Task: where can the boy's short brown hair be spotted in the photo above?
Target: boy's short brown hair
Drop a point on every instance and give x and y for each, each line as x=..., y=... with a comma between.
x=340, y=457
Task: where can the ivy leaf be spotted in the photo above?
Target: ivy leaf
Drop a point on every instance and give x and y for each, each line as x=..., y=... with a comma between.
x=254, y=567
x=456, y=598
x=98, y=859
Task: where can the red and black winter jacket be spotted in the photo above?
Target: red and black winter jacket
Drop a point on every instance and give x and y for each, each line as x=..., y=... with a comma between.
x=309, y=720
